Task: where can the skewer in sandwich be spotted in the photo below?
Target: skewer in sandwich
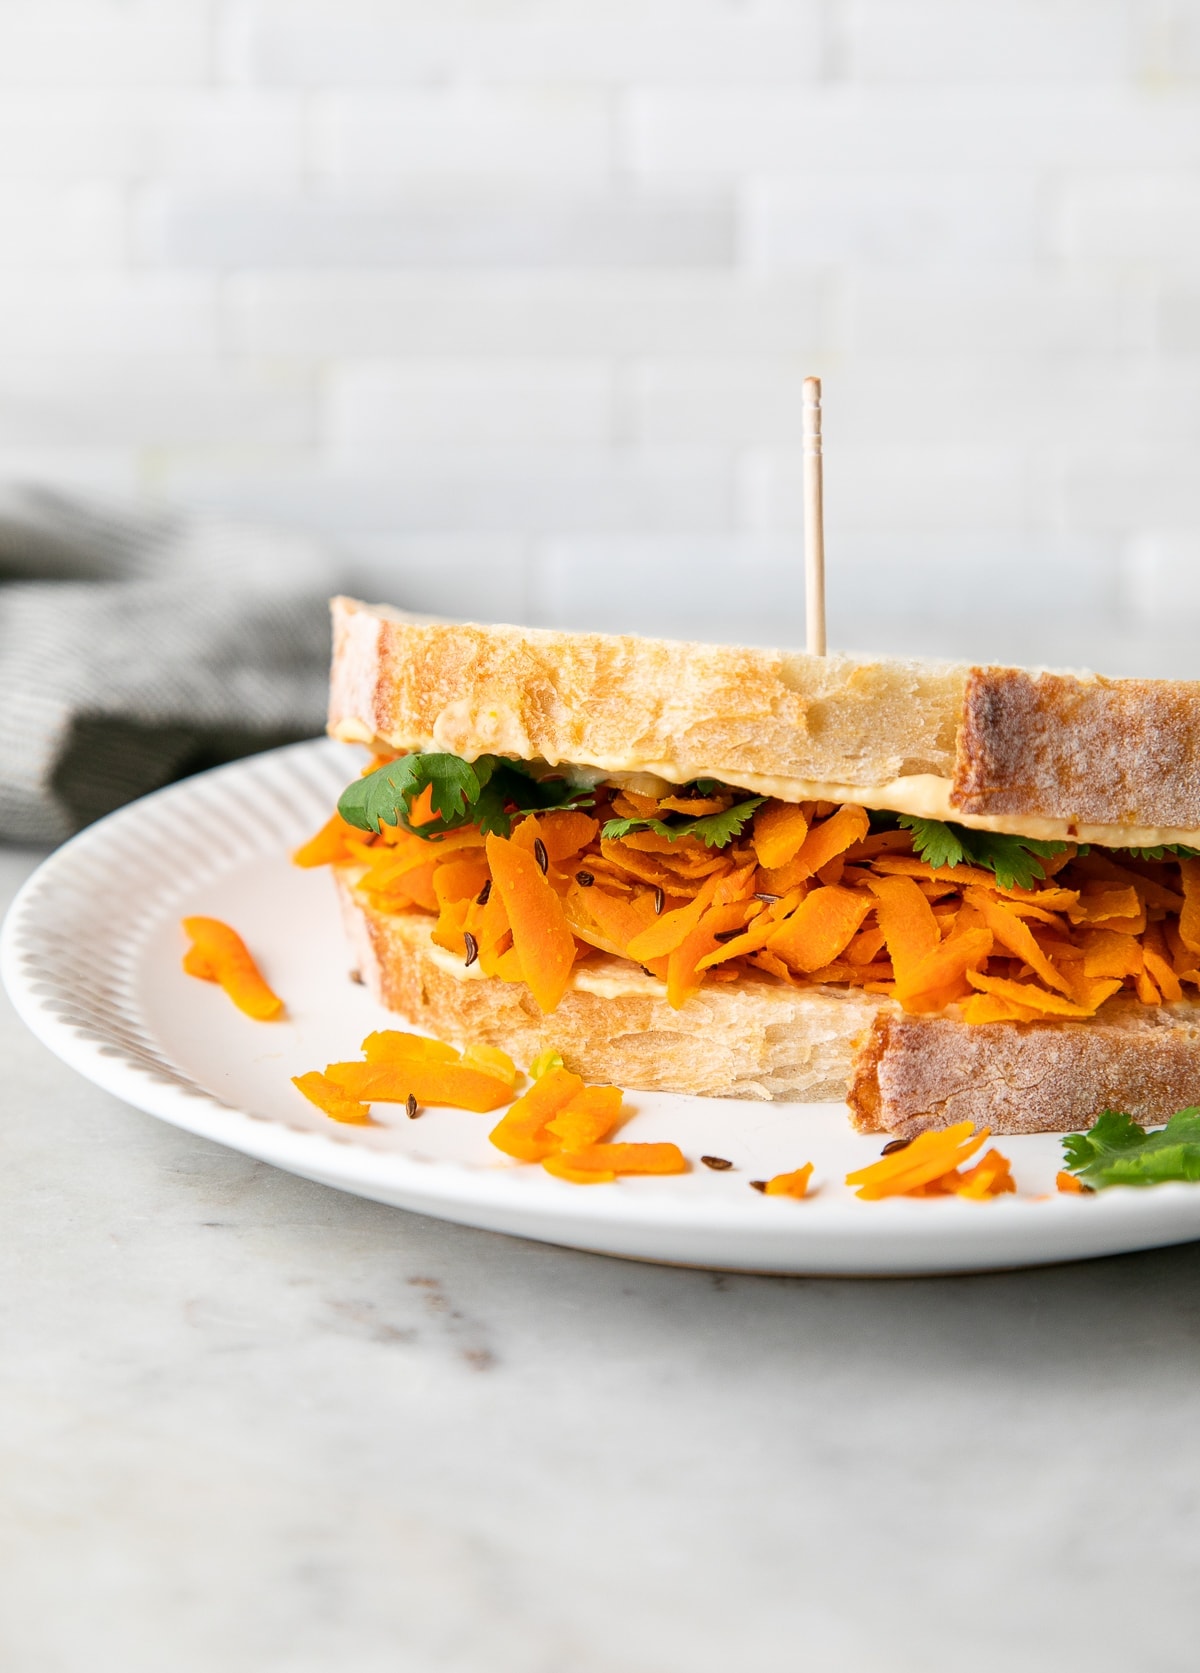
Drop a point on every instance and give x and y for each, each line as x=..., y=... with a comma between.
x=939, y=892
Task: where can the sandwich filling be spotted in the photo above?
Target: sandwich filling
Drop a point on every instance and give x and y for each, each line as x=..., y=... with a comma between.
x=530, y=873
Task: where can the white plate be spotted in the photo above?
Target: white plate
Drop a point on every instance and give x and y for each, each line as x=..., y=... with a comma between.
x=90, y=956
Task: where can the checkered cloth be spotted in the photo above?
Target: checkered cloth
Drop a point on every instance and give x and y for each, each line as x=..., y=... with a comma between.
x=137, y=649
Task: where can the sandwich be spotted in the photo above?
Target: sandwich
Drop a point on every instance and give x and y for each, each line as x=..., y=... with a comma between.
x=938, y=892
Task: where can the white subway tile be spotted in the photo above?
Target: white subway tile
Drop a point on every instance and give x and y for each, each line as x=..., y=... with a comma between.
x=982, y=315
x=1161, y=578
x=929, y=219
x=76, y=225
x=1128, y=487
x=116, y=43
x=167, y=400
x=1177, y=317
x=473, y=490
x=899, y=486
x=517, y=314
x=728, y=131
x=428, y=133
x=482, y=578
x=1119, y=220
x=103, y=312
x=185, y=135
x=391, y=42
x=522, y=225
x=962, y=41
x=371, y=408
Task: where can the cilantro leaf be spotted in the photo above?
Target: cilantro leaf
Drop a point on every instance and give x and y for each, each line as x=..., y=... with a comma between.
x=1016, y=860
x=715, y=830
x=485, y=792
x=1176, y=849
x=937, y=843
x=1118, y=1152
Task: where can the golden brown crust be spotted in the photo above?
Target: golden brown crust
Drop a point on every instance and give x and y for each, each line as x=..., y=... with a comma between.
x=1090, y=750
x=624, y=703
x=746, y=1040
x=917, y=1073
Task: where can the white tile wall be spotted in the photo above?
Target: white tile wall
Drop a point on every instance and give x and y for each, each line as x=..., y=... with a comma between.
x=511, y=300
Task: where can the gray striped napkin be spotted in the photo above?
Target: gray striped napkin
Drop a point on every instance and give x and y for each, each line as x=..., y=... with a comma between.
x=135, y=649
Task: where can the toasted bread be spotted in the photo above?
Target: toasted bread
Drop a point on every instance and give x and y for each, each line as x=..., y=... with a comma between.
x=1044, y=755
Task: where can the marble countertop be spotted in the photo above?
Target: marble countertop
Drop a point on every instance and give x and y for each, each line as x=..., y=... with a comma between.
x=251, y=1424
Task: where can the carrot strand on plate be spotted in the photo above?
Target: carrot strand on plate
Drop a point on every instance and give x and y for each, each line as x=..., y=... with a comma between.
x=218, y=954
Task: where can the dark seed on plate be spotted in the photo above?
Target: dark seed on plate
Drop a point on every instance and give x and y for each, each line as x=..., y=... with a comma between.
x=357, y=976
x=758, y=1184
x=481, y=899
x=646, y=971
x=540, y=855
x=472, y=948
x=410, y=1104
x=658, y=900
x=728, y=934
x=893, y=1145
x=717, y=1163
x=584, y=879
x=767, y=898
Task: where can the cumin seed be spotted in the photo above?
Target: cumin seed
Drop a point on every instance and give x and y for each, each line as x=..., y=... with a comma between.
x=758, y=1184
x=410, y=1104
x=768, y=898
x=356, y=976
x=540, y=855
x=893, y=1145
x=717, y=1163
x=728, y=934
x=659, y=897
x=472, y=948
x=481, y=899
x=584, y=879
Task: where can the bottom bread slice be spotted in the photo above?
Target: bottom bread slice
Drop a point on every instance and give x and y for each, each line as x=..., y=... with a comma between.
x=900, y=1074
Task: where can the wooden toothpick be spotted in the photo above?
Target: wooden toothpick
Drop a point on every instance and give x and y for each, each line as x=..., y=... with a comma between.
x=814, y=519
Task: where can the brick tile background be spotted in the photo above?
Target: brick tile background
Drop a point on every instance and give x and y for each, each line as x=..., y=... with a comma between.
x=512, y=299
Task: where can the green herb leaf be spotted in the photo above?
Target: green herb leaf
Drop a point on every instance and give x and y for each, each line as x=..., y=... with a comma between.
x=487, y=792
x=934, y=842
x=1176, y=849
x=715, y=830
x=1015, y=860
x=1118, y=1152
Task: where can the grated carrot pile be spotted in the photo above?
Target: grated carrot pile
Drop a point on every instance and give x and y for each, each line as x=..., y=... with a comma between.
x=805, y=895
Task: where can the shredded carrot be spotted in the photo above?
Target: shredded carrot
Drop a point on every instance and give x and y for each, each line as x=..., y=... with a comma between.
x=827, y=840
x=226, y=960
x=779, y=832
x=392, y=1045
x=562, y=1168
x=453, y=1084
x=930, y=1156
x=523, y=1131
x=820, y=928
x=542, y=938
x=333, y=1099
x=330, y=846
x=590, y=1116
x=625, y=1158
x=1070, y=1185
x=790, y=1184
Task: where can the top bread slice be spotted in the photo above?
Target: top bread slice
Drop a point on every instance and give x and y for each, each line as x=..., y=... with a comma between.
x=1046, y=754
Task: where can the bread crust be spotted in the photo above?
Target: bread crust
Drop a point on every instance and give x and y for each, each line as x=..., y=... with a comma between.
x=1087, y=750
x=629, y=704
x=918, y=1073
